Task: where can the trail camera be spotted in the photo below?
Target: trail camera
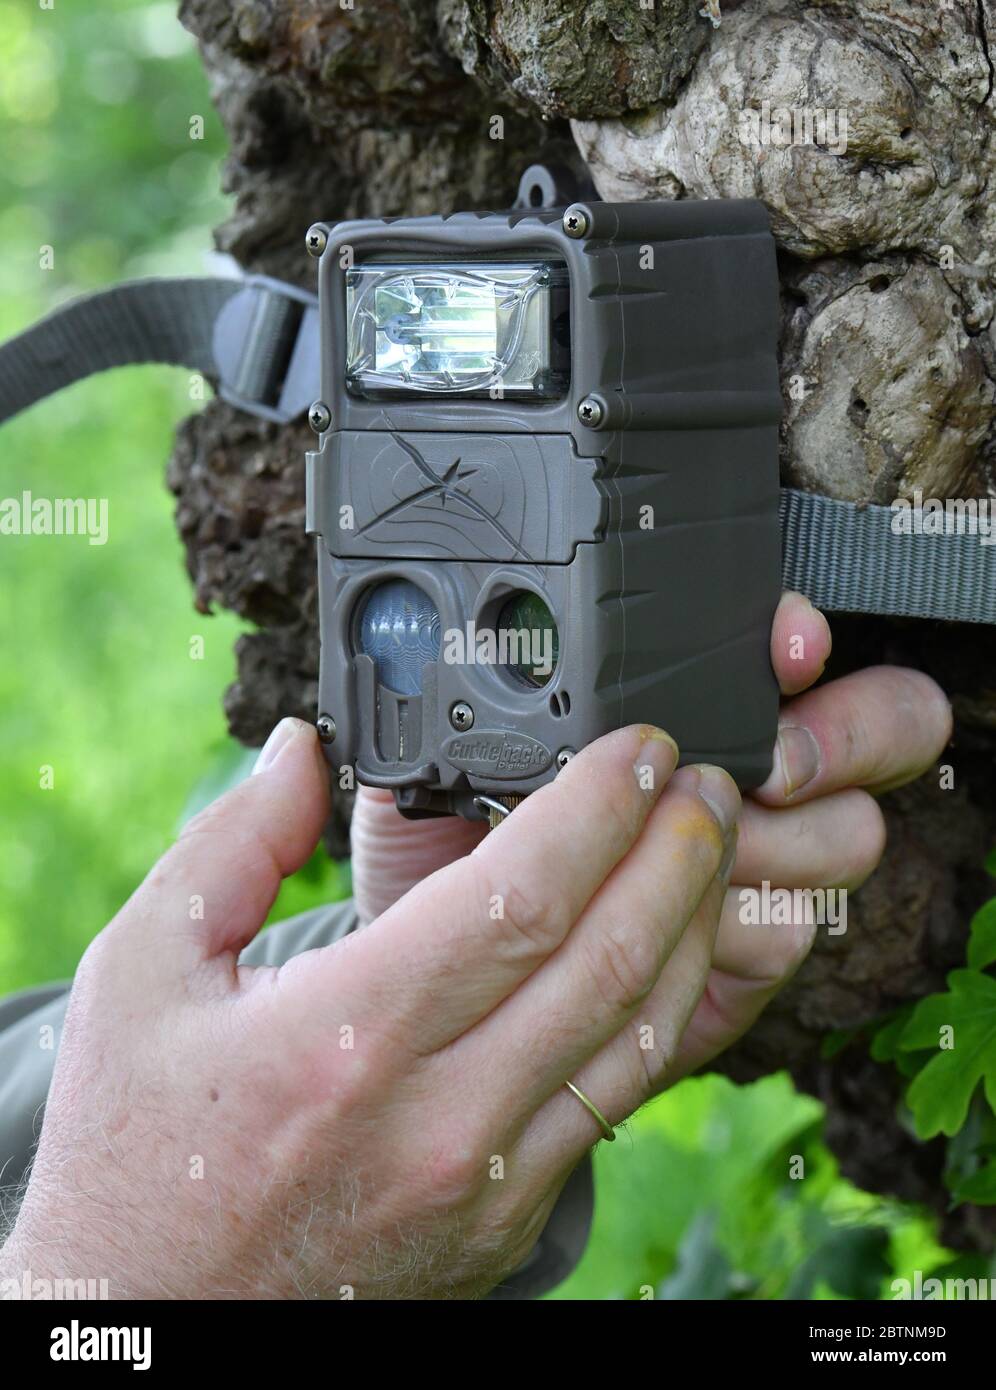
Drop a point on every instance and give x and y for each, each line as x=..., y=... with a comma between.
x=546, y=493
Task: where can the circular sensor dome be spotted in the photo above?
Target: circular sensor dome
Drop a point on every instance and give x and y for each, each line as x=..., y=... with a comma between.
x=398, y=628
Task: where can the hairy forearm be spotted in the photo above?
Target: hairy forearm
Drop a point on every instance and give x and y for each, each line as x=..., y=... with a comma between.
x=44, y=1254
x=35, y=1269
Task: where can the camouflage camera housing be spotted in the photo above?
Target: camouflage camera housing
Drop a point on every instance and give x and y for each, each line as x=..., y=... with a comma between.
x=641, y=505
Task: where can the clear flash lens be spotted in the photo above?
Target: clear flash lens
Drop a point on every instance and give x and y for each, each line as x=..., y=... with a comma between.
x=450, y=328
x=484, y=330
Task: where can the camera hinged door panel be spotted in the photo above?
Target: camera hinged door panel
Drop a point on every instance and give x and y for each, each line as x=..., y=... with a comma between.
x=521, y=498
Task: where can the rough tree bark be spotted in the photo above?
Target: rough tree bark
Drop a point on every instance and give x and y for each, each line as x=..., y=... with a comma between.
x=338, y=110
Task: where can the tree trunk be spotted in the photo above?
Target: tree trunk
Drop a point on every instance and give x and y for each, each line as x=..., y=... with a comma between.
x=886, y=238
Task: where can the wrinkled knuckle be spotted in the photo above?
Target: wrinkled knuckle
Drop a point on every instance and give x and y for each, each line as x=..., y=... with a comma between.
x=353, y=1082
x=528, y=925
x=456, y=1165
x=651, y=1064
x=205, y=822
x=626, y=967
x=854, y=737
x=724, y=1018
x=358, y=1076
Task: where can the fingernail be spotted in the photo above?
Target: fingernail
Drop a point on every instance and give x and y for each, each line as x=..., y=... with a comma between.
x=798, y=756
x=719, y=792
x=656, y=760
x=282, y=734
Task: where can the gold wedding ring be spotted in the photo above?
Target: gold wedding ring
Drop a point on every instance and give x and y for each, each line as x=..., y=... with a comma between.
x=607, y=1131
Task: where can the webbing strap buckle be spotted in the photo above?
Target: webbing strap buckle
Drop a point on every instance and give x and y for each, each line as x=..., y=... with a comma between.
x=265, y=343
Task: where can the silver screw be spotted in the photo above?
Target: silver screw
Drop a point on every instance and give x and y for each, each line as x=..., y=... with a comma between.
x=575, y=221
x=326, y=728
x=590, y=412
x=316, y=240
x=319, y=417
x=462, y=716
x=564, y=756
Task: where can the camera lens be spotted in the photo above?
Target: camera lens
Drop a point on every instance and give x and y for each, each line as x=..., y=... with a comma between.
x=528, y=640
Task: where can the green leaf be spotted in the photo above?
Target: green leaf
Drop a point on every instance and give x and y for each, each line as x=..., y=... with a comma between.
x=980, y=1188
x=970, y=1172
x=989, y=864
x=982, y=941
x=703, y=1270
x=939, y=1097
x=885, y=1045
x=851, y=1260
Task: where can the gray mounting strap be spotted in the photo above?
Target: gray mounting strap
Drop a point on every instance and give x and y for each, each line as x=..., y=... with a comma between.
x=257, y=338
x=852, y=559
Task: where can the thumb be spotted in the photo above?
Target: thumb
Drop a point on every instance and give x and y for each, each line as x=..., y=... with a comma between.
x=211, y=892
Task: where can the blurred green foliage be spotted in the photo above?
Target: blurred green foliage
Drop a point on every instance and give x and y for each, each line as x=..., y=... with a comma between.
x=98, y=683
x=97, y=108
x=953, y=1092
x=98, y=104
x=718, y=1191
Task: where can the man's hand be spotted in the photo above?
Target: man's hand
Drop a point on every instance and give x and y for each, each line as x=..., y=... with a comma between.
x=814, y=824
x=386, y=1116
